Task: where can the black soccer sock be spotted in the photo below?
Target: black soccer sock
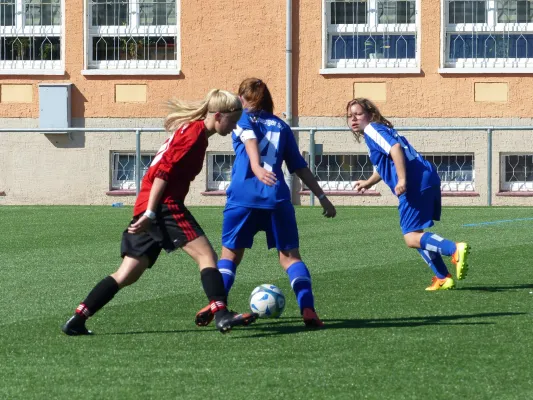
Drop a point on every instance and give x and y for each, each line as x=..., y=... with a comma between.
x=101, y=294
x=214, y=288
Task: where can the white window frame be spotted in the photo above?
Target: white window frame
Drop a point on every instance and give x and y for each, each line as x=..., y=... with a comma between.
x=456, y=186
x=522, y=186
x=130, y=67
x=488, y=65
x=370, y=66
x=34, y=67
x=213, y=185
x=117, y=184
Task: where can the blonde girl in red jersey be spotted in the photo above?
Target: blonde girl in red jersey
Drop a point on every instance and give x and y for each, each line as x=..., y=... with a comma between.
x=161, y=220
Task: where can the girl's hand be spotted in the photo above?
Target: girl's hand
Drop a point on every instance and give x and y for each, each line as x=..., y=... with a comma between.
x=401, y=187
x=267, y=177
x=362, y=186
x=329, y=208
x=141, y=225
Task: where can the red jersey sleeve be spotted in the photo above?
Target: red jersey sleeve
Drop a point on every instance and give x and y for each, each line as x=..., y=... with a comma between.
x=179, y=144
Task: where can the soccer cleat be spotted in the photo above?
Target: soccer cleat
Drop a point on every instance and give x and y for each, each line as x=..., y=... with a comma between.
x=311, y=320
x=75, y=326
x=204, y=316
x=230, y=319
x=460, y=259
x=441, y=284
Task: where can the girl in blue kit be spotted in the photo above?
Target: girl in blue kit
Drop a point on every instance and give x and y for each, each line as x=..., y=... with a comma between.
x=259, y=199
x=416, y=183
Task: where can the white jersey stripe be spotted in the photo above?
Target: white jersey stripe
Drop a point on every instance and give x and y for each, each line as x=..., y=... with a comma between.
x=376, y=137
x=244, y=134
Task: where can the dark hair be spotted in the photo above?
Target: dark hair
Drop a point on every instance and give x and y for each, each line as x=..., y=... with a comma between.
x=257, y=95
x=371, y=109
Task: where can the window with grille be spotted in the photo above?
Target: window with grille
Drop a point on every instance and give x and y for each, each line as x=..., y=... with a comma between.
x=371, y=34
x=219, y=166
x=123, y=169
x=488, y=34
x=31, y=36
x=133, y=35
x=517, y=172
x=456, y=171
x=339, y=172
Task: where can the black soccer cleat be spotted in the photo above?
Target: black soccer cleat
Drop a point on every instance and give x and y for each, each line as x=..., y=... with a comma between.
x=230, y=319
x=75, y=326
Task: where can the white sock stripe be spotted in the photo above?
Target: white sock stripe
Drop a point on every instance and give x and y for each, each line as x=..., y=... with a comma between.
x=427, y=255
x=300, y=279
x=430, y=247
x=216, y=305
x=437, y=238
x=82, y=308
x=227, y=272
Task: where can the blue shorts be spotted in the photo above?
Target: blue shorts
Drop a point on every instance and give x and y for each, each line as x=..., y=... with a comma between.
x=240, y=225
x=419, y=210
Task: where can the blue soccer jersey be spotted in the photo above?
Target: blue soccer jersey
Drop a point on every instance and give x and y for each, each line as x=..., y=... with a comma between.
x=420, y=173
x=276, y=144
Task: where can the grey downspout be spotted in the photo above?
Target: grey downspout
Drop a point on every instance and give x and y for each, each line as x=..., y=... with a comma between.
x=288, y=81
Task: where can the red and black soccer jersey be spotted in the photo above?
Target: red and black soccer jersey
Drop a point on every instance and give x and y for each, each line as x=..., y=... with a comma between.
x=178, y=161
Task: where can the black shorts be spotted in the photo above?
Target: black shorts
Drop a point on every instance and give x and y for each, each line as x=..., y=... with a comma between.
x=173, y=228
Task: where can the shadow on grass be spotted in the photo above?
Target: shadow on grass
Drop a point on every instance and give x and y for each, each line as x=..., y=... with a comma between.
x=281, y=328
x=500, y=288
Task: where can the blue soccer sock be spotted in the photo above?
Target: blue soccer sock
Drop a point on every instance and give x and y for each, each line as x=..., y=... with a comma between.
x=301, y=285
x=228, y=269
x=434, y=243
x=435, y=262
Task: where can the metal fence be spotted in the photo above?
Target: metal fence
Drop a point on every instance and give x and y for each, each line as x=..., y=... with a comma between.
x=520, y=173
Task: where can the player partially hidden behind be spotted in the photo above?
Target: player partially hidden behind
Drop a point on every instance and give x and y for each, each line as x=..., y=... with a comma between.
x=416, y=183
x=161, y=219
x=258, y=198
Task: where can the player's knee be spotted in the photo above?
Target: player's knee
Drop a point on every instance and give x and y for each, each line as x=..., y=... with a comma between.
x=411, y=241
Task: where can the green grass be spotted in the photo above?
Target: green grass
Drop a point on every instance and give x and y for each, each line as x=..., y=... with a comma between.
x=386, y=337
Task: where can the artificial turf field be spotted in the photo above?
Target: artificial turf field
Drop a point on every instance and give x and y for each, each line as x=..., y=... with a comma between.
x=385, y=337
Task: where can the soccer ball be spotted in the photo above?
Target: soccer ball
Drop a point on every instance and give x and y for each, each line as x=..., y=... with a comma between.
x=268, y=301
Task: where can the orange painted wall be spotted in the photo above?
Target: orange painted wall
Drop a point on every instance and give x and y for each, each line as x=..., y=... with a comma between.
x=221, y=44
x=430, y=94
x=224, y=42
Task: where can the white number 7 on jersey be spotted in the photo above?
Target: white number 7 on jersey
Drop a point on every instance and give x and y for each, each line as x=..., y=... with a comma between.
x=269, y=142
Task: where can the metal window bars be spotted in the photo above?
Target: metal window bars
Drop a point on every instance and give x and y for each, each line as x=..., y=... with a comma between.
x=132, y=34
x=517, y=172
x=371, y=33
x=31, y=35
x=488, y=34
x=123, y=169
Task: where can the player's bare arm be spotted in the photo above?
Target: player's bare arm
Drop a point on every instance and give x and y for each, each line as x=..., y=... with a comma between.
x=398, y=158
x=309, y=180
x=252, y=149
x=363, y=185
x=158, y=188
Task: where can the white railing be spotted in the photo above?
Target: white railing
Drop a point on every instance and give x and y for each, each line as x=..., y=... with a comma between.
x=517, y=167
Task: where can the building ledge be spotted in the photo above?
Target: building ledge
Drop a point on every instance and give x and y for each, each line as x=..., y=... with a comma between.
x=22, y=72
x=370, y=71
x=459, y=194
x=213, y=193
x=131, y=72
x=121, y=193
x=485, y=71
x=342, y=193
x=515, y=194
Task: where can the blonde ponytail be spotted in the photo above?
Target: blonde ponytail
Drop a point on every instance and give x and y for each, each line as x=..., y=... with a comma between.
x=183, y=112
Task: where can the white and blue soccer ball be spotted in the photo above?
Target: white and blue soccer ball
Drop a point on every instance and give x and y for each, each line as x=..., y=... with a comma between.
x=268, y=301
